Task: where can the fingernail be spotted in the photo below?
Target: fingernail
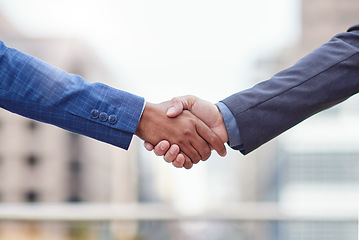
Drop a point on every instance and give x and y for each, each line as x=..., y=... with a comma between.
x=170, y=111
x=162, y=147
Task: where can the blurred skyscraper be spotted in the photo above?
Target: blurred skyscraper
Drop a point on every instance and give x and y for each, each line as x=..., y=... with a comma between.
x=42, y=163
x=316, y=162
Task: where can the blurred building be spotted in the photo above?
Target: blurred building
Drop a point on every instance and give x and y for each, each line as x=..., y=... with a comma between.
x=316, y=162
x=296, y=168
x=43, y=163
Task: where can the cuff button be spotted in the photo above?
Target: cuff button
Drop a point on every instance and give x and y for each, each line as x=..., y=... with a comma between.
x=103, y=117
x=112, y=119
x=94, y=113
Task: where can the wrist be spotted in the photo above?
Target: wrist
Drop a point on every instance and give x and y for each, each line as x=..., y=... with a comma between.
x=149, y=126
x=141, y=126
x=230, y=123
x=222, y=128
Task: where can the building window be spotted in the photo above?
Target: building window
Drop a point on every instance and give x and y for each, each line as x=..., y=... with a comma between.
x=32, y=161
x=74, y=199
x=321, y=168
x=74, y=137
x=75, y=166
x=32, y=125
x=31, y=196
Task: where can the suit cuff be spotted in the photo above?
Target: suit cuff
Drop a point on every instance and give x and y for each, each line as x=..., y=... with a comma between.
x=231, y=126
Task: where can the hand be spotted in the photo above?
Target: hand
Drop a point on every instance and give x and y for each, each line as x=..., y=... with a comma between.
x=193, y=136
x=206, y=111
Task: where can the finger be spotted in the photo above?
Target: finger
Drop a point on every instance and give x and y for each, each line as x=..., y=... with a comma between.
x=172, y=153
x=190, y=136
x=188, y=163
x=199, y=143
x=191, y=153
x=178, y=104
x=148, y=146
x=179, y=161
x=212, y=138
x=175, y=109
x=202, y=147
x=162, y=147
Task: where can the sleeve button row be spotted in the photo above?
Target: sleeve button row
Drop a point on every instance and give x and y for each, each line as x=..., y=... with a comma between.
x=112, y=119
x=94, y=113
x=103, y=116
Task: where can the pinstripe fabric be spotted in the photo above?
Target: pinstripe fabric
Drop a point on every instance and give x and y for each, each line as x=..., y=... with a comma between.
x=322, y=79
x=37, y=90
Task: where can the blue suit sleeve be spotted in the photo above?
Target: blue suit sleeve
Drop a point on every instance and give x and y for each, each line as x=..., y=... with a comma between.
x=37, y=90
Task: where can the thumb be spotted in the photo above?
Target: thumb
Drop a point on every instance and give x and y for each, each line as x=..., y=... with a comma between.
x=175, y=109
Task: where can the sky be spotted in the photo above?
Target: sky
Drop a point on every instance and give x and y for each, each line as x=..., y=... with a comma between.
x=161, y=48
x=164, y=48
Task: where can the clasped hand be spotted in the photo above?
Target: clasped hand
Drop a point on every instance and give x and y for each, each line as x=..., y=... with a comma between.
x=183, y=130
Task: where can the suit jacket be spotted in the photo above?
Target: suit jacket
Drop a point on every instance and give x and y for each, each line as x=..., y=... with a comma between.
x=34, y=89
x=324, y=78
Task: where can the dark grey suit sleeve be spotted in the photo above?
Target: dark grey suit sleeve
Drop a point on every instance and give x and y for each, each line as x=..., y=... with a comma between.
x=322, y=79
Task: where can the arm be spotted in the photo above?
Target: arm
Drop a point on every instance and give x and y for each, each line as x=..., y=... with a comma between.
x=35, y=89
x=322, y=79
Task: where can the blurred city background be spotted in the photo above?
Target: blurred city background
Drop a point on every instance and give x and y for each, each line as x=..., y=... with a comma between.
x=61, y=186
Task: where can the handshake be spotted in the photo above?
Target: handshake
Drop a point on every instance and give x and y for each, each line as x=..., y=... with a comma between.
x=186, y=129
x=183, y=130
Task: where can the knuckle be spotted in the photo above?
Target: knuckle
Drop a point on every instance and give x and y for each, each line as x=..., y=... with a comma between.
x=174, y=100
x=181, y=143
x=187, y=132
x=212, y=137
